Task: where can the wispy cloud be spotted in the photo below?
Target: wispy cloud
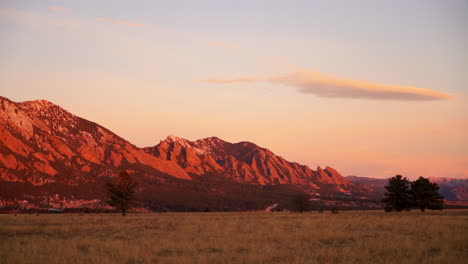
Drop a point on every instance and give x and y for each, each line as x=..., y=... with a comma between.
x=310, y=82
x=34, y=18
x=224, y=45
x=124, y=23
x=21, y=16
x=59, y=8
x=131, y=24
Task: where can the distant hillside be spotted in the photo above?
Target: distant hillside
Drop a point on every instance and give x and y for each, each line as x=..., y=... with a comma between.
x=452, y=189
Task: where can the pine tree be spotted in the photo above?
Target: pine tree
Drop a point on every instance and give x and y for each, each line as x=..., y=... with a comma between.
x=121, y=192
x=398, y=195
x=425, y=194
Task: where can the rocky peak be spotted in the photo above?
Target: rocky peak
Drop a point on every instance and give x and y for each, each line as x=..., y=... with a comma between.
x=4, y=99
x=246, y=162
x=209, y=144
x=47, y=110
x=42, y=142
x=182, y=141
x=332, y=172
x=40, y=103
x=212, y=140
x=320, y=170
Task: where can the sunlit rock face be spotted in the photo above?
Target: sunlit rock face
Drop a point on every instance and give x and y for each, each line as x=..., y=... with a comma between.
x=248, y=163
x=42, y=143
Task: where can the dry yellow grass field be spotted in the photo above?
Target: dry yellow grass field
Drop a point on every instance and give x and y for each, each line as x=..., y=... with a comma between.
x=251, y=237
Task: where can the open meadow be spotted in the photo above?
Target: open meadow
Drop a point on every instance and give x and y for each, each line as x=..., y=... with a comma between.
x=249, y=237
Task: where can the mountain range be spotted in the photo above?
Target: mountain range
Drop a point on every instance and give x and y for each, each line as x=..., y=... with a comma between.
x=49, y=156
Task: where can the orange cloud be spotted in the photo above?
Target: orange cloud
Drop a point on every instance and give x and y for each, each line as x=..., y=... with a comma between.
x=102, y=19
x=321, y=85
x=130, y=24
x=224, y=45
x=59, y=8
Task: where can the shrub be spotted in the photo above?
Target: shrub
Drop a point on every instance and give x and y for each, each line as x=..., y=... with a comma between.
x=334, y=210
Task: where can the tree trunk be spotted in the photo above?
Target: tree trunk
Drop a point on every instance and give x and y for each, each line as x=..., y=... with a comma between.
x=124, y=212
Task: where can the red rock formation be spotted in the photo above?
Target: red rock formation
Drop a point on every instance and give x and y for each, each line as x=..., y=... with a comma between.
x=249, y=163
x=41, y=142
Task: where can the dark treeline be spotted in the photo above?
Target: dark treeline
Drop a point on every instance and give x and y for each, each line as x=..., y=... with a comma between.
x=402, y=194
x=215, y=193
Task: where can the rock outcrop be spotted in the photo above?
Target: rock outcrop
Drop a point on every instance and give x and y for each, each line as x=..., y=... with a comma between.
x=248, y=163
x=41, y=143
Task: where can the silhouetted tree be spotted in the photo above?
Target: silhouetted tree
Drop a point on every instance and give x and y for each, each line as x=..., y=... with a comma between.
x=398, y=195
x=425, y=194
x=121, y=192
x=300, y=203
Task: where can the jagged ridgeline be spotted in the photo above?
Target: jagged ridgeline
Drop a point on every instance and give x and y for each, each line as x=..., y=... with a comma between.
x=45, y=151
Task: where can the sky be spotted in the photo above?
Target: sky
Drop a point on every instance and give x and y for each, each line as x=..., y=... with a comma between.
x=372, y=88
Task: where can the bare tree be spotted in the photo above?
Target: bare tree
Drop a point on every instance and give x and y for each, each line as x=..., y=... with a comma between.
x=121, y=192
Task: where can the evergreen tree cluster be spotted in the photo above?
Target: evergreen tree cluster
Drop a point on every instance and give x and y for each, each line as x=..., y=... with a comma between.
x=402, y=194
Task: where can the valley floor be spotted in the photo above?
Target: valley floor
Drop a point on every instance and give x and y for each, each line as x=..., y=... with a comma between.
x=250, y=237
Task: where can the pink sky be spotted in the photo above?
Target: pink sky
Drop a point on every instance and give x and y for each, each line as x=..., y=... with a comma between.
x=363, y=93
